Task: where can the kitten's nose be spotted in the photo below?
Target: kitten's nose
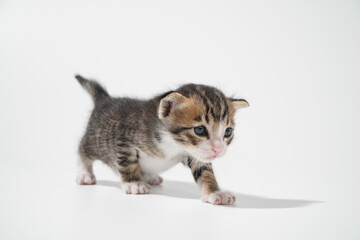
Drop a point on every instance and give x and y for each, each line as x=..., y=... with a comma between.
x=217, y=148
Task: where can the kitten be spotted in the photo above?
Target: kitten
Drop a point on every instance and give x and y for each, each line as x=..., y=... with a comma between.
x=140, y=138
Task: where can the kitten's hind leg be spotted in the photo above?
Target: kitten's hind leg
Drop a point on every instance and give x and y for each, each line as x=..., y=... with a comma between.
x=85, y=171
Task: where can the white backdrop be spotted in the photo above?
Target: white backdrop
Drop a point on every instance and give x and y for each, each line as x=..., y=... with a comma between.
x=294, y=165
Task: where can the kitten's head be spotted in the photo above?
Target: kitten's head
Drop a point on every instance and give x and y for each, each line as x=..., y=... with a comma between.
x=201, y=119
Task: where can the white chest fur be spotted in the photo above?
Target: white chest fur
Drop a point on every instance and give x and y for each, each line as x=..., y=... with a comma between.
x=173, y=153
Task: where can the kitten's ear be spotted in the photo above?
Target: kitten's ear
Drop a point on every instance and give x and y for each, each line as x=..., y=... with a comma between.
x=169, y=103
x=239, y=103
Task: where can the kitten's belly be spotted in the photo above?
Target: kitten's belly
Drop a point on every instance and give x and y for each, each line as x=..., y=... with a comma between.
x=172, y=154
x=158, y=165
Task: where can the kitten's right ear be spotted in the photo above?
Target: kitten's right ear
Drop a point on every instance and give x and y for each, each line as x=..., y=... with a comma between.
x=239, y=103
x=169, y=103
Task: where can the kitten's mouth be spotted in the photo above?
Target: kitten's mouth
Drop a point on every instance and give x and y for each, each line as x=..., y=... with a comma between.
x=213, y=157
x=210, y=158
x=206, y=159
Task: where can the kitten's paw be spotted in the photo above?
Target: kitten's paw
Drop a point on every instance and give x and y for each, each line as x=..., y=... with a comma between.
x=219, y=198
x=136, y=187
x=86, y=179
x=155, y=180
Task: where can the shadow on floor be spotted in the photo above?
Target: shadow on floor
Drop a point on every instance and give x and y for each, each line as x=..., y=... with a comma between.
x=191, y=191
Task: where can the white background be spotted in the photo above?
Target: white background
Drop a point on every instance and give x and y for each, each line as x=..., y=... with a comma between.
x=294, y=165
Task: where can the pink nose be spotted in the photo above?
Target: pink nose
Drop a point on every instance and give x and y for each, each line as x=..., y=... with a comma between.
x=217, y=148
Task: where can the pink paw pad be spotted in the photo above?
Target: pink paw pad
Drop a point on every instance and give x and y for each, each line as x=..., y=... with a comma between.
x=157, y=180
x=86, y=179
x=219, y=198
x=136, y=188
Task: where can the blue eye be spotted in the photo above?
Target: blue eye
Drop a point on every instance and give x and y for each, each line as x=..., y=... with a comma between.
x=200, y=130
x=228, y=132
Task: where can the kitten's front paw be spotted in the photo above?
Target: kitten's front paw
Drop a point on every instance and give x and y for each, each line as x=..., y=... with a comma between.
x=219, y=198
x=86, y=179
x=155, y=180
x=136, y=188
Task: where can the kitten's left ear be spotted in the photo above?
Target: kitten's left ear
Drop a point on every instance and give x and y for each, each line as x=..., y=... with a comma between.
x=239, y=103
x=169, y=103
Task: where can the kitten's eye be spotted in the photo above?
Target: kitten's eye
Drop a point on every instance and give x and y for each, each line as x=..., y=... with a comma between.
x=200, y=130
x=228, y=132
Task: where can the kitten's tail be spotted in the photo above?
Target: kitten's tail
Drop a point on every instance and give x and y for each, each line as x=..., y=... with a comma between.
x=96, y=91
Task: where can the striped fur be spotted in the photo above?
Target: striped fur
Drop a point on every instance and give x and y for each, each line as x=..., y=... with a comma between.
x=140, y=138
x=204, y=105
x=204, y=176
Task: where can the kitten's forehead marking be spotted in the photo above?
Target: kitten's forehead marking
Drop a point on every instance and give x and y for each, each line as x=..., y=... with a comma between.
x=214, y=102
x=217, y=130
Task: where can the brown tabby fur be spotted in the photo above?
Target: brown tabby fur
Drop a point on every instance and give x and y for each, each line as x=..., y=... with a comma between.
x=121, y=131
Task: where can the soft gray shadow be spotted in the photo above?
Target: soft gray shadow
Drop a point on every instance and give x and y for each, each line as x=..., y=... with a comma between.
x=191, y=191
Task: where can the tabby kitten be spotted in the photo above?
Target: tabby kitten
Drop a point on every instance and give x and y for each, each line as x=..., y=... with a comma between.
x=139, y=139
